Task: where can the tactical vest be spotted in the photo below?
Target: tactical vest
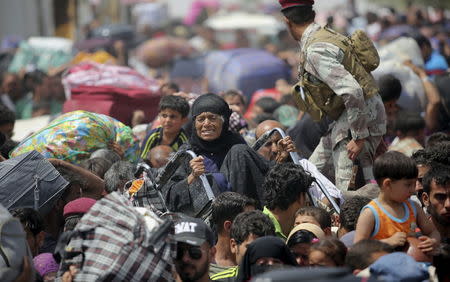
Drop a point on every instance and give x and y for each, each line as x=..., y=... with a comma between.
x=360, y=58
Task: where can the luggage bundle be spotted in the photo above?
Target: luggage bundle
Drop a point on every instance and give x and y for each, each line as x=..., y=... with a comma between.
x=74, y=136
x=158, y=52
x=248, y=70
x=136, y=244
x=115, y=91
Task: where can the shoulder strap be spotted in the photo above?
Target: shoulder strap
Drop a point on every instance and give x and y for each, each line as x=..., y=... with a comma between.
x=412, y=207
x=372, y=207
x=328, y=35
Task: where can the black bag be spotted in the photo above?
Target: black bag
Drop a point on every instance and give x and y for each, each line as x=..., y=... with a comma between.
x=30, y=181
x=148, y=195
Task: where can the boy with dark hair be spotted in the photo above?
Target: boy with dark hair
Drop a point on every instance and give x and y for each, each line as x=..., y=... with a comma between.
x=285, y=191
x=7, y=121
x=173, y=112
x=390, y=91
x=33, y=224
x=314, y=215
x=224, y=210
x=169, y=88
x=246, y=227
x=390, y=88
x=392, y=216
x=364, y=253
x=436, y=198
x=410, y=131
x=348, y=217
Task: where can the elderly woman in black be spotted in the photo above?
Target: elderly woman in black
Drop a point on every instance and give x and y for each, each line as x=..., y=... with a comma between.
x=223, y=156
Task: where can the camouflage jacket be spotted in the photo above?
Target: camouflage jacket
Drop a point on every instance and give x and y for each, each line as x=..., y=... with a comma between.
x=362, y=118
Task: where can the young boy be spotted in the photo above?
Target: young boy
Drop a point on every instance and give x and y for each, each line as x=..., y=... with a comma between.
x=410, y=131
x=390, y=91
x=393, y=217
x=314, y=215
x=173, y=112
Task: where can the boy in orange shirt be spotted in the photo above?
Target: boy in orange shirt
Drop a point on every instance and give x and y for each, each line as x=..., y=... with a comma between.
x=392, y=217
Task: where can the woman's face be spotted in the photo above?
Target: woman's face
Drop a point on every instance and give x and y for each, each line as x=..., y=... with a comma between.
x=208, y=126
x=301, y=253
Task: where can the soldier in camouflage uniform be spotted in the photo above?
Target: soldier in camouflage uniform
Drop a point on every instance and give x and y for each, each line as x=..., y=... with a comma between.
x=357, y=132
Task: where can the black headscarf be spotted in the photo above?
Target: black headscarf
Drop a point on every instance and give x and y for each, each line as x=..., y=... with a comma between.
x=264, y=247
x=214, y=104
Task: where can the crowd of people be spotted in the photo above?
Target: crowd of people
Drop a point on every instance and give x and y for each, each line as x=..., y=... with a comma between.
x=358, y=188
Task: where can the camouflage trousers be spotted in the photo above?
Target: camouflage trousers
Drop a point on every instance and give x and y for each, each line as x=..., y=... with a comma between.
x=325, y=154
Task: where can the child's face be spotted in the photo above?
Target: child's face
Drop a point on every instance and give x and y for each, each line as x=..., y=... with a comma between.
x=236, y=104
x=171, y=121
x=318, y=258
x=305, y=219
x=401, y=190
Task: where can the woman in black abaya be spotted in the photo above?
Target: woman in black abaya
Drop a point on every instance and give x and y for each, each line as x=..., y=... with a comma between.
x=229, y=163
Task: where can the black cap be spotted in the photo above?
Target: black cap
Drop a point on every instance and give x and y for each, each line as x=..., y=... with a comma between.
x=193, y=231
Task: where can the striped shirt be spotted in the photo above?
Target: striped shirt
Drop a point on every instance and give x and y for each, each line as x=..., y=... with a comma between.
x=227, y=275
x=154, y=139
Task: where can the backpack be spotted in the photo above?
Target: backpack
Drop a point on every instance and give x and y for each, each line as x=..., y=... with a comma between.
x=360, y=58
x=364, y=50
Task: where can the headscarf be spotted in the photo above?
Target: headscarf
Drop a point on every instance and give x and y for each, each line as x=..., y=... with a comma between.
x=264, y=247
x=45, y=264
x=214, y=104
x=314, y=229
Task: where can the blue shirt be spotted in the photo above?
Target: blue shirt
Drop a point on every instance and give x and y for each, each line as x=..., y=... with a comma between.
x=436, y=62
